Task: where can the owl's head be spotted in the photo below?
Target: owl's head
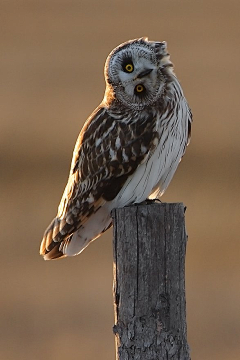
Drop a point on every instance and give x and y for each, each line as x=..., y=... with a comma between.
x=137, y=72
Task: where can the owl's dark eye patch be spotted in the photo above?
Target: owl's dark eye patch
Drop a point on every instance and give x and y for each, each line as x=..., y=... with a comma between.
x=127, y=65
x=139, y=90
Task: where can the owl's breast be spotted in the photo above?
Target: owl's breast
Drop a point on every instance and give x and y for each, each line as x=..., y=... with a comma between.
x=153, y=176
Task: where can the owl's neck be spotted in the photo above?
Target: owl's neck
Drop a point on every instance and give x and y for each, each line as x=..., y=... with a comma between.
x=109, y=96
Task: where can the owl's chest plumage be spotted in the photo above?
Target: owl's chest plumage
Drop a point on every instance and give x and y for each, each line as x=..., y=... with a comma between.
x=153, y=175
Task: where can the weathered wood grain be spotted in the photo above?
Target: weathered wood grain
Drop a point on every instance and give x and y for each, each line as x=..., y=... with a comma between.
x=149, y=282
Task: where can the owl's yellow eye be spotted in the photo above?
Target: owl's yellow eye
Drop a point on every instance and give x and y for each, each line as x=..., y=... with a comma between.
x=139, y=88
x=129, y=68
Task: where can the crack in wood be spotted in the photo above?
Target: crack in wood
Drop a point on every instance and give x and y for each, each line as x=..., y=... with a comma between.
x=149, y=289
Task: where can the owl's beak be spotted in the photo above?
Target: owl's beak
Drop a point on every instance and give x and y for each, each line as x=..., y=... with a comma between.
x=144, y=73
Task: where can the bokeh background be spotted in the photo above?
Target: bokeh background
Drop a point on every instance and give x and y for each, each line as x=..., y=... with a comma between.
x=51, y=65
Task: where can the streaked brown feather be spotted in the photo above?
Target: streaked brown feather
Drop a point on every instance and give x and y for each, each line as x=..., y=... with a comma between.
x=106, y=153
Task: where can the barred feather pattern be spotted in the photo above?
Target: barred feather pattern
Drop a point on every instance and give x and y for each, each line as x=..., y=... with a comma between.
x=125, y=153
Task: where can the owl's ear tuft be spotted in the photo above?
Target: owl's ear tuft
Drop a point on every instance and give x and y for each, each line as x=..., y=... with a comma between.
x=142, y=40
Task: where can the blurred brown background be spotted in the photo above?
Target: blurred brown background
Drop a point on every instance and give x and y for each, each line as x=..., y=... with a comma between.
x=51, y=64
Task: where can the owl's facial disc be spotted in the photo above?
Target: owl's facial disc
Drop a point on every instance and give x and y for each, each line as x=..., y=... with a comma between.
x=133, y=71
x=136, y=73
x=138, y=79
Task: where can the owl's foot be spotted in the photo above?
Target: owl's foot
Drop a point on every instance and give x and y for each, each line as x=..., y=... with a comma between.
x=146, y=202
x=149, y=201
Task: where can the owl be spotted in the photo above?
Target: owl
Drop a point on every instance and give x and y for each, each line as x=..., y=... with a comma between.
x=128, y=149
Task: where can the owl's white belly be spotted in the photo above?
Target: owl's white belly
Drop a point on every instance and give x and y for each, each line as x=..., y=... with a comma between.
x=152, y=177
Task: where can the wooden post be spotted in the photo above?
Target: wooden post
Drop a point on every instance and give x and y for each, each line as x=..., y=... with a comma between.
x=149, y=282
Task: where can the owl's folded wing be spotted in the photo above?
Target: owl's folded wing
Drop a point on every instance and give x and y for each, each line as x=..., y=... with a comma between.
x=107, y=152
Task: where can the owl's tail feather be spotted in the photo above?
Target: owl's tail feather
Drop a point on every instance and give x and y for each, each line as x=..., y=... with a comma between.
x=55, y=235
x=54, y=254
x=66, y=237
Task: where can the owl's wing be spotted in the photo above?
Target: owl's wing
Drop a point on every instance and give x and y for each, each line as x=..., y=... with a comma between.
x=110, y=147
x=190, y=120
